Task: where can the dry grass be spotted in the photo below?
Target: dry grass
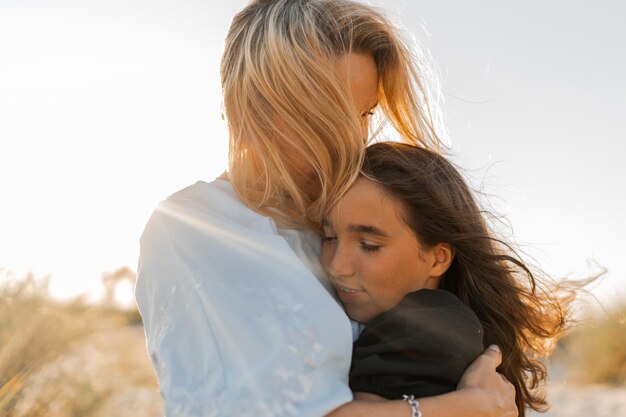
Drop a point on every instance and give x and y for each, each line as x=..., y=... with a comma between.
x=595, y=352
x=70, y=359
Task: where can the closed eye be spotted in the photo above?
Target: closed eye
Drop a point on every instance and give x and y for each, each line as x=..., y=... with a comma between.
x=366, y=247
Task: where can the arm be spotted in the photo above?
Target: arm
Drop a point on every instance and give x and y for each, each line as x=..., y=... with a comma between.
x=178, y=335
x=482, y=392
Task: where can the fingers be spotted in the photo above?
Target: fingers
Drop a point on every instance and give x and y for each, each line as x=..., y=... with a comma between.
x=494, y=354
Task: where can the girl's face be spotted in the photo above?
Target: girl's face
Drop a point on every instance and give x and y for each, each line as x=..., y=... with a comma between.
x=372, y=256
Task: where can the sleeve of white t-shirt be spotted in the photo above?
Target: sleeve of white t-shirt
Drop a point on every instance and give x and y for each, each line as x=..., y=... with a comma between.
x=235, y=324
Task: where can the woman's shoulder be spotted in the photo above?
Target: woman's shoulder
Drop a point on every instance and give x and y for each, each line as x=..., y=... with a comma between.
x=215, y=200
x=206, y=227
x=205, y=192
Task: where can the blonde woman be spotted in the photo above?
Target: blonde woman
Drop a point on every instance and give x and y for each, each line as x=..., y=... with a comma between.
x=239, y=317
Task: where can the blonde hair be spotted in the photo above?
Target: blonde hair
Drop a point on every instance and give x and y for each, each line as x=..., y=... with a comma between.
x=283, y=101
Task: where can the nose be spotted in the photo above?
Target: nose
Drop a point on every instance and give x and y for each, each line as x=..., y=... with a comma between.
x=339, y=263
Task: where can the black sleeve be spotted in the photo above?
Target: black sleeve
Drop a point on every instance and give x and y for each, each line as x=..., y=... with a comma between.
x=421, y=347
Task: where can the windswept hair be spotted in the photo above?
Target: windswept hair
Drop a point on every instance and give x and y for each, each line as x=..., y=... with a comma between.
x=521, y=311
x=281, y=93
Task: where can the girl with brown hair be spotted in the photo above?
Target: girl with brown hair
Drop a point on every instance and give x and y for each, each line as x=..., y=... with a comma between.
x=239, y=316
x=411, y=256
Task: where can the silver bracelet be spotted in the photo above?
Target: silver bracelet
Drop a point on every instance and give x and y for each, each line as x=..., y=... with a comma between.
x=416, y=411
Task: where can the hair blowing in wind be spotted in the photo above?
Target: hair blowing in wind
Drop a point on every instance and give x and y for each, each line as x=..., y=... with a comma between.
x=520, y=308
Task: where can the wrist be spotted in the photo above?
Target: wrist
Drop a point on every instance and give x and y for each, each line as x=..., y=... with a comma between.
x=414, y=405
x=468, y=402
x=476, y=401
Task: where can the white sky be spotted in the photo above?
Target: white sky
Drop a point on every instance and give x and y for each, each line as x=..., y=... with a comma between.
x=107, y=107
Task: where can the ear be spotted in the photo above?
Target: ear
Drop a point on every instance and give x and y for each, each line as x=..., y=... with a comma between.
x=442, y=255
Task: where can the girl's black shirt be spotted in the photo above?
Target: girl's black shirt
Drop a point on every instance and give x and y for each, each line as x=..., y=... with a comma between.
x=420, y=347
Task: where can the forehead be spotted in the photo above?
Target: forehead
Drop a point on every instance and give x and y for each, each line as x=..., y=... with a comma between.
x=367, y=203
x=358, y=74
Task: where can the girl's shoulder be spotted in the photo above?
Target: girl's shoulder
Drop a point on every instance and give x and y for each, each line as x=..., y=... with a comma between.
x=433, y=314
x=438, y=306
x=432, y=298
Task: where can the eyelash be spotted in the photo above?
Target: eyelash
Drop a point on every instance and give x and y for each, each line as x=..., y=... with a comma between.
x=367, y=114
x=364, y=246
x=369, y=248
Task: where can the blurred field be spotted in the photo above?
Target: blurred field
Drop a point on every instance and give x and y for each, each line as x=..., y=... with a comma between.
x=70, y=359
x=595, y=352
x=79, y=360
x=588, y=369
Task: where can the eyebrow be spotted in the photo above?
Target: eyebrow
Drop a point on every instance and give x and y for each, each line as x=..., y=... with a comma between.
x=366, y=228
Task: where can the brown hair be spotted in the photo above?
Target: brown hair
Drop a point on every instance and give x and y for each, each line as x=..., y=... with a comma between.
x=280, y=91
x=519, y=312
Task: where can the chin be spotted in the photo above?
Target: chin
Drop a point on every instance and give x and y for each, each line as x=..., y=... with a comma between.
x=359, y=316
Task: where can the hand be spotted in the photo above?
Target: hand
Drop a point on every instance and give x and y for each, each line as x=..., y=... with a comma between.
x=481, y=379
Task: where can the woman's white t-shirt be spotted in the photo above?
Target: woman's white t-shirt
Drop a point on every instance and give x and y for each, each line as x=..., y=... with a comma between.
x=237, y=313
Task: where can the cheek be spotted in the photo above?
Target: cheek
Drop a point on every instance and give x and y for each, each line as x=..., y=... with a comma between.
x=389, y=280
x=381, y=280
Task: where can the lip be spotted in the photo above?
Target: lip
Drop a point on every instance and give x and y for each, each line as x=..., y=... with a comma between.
x=347, y=293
